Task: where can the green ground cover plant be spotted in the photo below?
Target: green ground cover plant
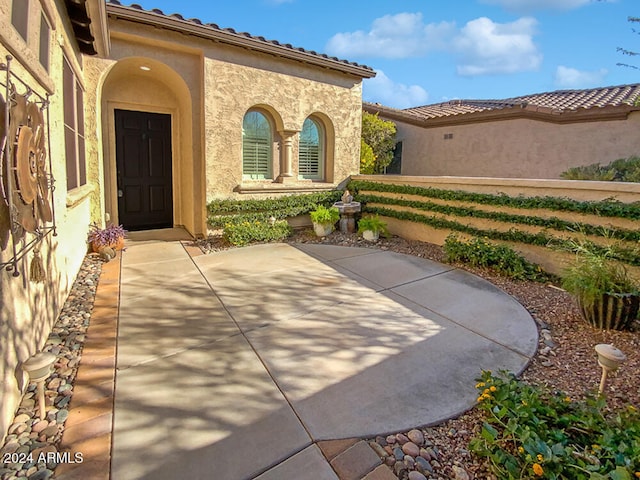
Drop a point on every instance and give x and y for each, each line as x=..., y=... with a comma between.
x=530, y=432
x=246, y=232
x=501, y=258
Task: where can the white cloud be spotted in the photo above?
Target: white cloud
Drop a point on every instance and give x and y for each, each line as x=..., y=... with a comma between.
x=532, y=5
x=485, y=47
x=381, y=89
x=392, y=36
x=567, y=77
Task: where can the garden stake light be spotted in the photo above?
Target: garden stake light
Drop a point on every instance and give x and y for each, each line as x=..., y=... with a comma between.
x=38, y=367
x=609, y=358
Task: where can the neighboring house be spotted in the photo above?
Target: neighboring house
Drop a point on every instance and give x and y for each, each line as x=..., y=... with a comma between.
x=533, y=136
x=140, y=118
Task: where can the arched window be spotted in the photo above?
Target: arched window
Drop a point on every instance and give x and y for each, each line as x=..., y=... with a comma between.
x=311, y=150
x=257, y=146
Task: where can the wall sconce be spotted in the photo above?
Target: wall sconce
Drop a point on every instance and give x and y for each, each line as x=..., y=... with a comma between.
x=609, y=358
x=39, y=367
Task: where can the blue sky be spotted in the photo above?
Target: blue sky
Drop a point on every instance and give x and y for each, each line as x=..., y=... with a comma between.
x=431, y=51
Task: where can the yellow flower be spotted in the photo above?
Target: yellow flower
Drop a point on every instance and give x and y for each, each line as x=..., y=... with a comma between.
x=540, y=458
x=480, y=385
x=486, y=391
x=493, y=388
x=567, y=399
x=520, y=450
x=480, y=398
x=538, y=470
x=595, y=446
x=637, y=474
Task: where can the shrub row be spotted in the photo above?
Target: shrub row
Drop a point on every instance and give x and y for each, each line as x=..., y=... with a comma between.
x=501, y=258
x=605, y=208
x=553, y=223
x=222, y=212
x=629, y=256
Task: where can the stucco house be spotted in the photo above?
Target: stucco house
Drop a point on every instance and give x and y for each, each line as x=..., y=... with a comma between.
x=532, y=136
x=115, y=113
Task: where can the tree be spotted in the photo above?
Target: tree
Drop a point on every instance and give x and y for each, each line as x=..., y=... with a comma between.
x=367, y=158
x=380, y=136
x=631, y=53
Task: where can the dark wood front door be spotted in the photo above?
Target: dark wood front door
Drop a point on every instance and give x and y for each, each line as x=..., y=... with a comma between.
x=143, y=162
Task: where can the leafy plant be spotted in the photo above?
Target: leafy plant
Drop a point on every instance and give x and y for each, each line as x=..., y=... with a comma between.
x=501, y=258
x=593, y=275
x=105, y=237
x=367, y=158
x=374, y=224
x=530, y=432
x=246, y=232
x=324, y=215
x=621, y=170
x=380, y=135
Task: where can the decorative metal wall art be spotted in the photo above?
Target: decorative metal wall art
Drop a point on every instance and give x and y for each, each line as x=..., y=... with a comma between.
x=26, y=185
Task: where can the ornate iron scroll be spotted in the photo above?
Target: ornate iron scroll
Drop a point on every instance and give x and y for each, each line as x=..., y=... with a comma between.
x=27, y=214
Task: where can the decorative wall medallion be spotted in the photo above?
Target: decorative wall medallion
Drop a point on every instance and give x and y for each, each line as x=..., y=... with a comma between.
x=5, y=221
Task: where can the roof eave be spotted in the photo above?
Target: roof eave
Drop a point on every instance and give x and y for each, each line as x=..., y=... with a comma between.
x=96, y=9
x=203, y=31
x=531, y=112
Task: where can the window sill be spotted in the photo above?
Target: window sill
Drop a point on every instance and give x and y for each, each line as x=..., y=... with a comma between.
x=77, y=195
x=273, y=187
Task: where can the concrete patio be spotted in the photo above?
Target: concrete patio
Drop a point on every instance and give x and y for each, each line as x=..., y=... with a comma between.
x=245, y=363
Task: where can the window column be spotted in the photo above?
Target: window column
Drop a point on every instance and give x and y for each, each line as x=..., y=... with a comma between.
x=286, y=160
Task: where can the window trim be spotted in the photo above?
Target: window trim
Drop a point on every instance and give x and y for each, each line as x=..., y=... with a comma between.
x=320, y=176
x=73, y=120
x=268, y=175
x=23, y=19
x=44, y=44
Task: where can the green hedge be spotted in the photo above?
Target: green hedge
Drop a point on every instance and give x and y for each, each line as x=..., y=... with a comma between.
x=222, y=212
x=605, y=208
x=553, y=223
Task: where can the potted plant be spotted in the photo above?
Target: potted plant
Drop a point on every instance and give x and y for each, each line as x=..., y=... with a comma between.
x=324, y=219
x=372, y=227
x=110, y=237
x=607, y=296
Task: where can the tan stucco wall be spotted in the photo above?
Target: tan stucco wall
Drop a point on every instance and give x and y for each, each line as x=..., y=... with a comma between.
x=207, y=88
x=172, y=86
x=551, y=260
x=517, y=148
x=28, y=312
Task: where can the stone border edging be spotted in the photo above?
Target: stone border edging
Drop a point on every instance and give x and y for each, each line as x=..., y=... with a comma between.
x=88, y=428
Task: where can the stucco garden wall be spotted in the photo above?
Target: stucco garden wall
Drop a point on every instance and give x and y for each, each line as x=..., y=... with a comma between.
x=432, y=215
x=28, y=311
x=517, y=148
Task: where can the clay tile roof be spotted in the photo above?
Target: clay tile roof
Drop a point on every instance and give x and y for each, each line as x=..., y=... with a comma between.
x=256, y=42
x=557, y=102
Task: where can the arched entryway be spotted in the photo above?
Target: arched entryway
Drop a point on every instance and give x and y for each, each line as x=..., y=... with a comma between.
x=148, y=162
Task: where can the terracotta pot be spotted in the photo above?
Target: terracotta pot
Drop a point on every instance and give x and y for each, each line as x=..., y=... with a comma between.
x=611, y=312
x=119, y=245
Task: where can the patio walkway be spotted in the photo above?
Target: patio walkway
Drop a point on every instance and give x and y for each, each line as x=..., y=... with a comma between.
x=246, y=363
